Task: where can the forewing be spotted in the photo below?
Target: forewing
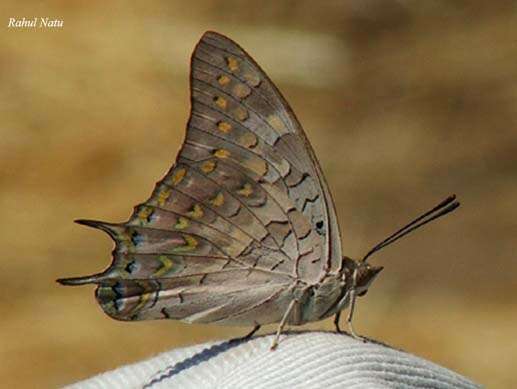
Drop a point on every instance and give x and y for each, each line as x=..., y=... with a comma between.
x=234, y=100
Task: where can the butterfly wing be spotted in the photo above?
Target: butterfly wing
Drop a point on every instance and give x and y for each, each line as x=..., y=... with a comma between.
x=243, y=213
x=224, y=74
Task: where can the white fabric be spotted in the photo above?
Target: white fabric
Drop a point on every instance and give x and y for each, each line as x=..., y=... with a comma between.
x=302, y=360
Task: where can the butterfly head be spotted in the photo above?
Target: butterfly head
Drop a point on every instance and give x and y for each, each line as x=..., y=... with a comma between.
x=359, y=275
x=364, y=276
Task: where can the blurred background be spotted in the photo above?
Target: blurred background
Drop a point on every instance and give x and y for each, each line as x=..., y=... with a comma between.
x=404, y=102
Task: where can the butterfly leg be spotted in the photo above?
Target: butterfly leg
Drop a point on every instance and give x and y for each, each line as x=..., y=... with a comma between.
x=252, y=332
x=282, y=324
x=247, y=337
x=350, y=316
x=342, y=303
x=336, y=322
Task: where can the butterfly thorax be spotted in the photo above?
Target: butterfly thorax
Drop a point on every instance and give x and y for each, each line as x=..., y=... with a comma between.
x=318, y=300
x=329, y=295
x=332, y=293
x=359, y=276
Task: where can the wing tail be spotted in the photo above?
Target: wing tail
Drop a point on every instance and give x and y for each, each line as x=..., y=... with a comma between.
x=73, y=281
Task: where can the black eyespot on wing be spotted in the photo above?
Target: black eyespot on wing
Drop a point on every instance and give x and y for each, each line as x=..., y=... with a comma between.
x=320, y=227
x=130, y=267
x=136, y=238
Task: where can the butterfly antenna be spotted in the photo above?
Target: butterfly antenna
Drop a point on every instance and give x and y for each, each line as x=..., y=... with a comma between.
x=446, y=206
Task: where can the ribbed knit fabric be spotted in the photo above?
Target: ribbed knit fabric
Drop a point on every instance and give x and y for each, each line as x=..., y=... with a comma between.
x=302, y=360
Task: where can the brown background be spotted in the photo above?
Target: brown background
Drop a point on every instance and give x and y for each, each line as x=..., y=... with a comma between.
x=404, y=102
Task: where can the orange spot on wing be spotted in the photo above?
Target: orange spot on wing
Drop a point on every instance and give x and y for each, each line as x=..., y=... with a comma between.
x=246, y=190
x=190, y=243
x=224, y=127
x=221, y=102
x=144, y=215
x=178, y=176
x=196, y=212
x=222, y=153
x=208, y=166
x=163, y=196
x=223, y=80
x=233, y=64
x=218, y=200
x=182, y=223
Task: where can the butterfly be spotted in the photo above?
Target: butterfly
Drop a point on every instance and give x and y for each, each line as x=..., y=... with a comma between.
x=242, y=230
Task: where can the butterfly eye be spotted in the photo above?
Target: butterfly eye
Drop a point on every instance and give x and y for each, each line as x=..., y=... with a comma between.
x=320, y=227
